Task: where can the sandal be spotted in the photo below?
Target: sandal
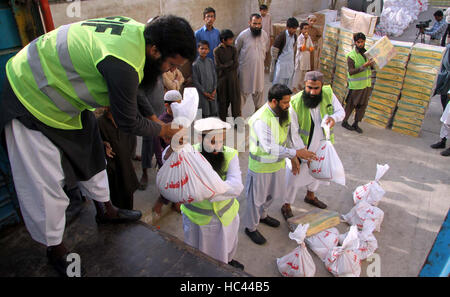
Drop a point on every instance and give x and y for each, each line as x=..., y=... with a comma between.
x=316, y=202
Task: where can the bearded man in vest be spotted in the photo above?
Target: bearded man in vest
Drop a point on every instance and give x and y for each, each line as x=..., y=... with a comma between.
x=212, y=226
x=268, y=145
x=359, y=83
x=52, y=137
x=307, y=110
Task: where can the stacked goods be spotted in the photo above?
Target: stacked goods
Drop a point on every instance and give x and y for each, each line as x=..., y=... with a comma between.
x=345, y=45
x=328, y=52
x=418, y=87
x=357, y=21
x=388, y=84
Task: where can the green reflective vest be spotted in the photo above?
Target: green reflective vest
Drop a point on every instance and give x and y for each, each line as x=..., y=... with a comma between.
x=56, y=77
x=304, y=115
x=362, y=79
x=259, y=160
x=201, y=213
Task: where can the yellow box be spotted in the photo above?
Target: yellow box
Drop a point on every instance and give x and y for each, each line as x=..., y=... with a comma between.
x=417, y=88
x=395, y=63
x=408, y=120
x=425, y=61
x=374, y=122
x=405, y=131
x=402, y=105
x=389, y=76
x=420, y=75
x=427, y=54
x=410, y=114
x=422, y=68
x=382, y=95
x=378, y=100
x=389, y=83
x=401, y=124
x=416, y=81
x=384, y=89
x=415, y=95
x=394, y=70
x=402, y=50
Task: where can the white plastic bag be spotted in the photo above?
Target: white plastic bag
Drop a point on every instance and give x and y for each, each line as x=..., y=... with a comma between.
x=299, y=262
x=343, y=260
x=371, y=192
x=328, y=167
x=367, y=241
x=184, y=112
x=187, y=177
x=362, y=212
x=323, y=242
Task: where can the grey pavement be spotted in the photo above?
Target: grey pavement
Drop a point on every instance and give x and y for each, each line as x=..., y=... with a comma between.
x=415, y=204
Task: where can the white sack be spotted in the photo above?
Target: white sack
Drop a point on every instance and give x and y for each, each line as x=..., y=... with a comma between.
x=371, y=192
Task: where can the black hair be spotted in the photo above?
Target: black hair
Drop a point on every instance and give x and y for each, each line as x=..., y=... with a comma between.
x=302, y=25
x=278, y=91
x=438, y=13
x=263, y=7
x=292, y=23
x=202, y=42
x=171, y=35
x=359, y=36
x=226, y=34
x=255, y=15
x=208, y=10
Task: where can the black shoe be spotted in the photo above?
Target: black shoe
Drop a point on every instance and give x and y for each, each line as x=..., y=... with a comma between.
x=255, y=236
x=236, y=264
x=446, y=153
x=123, y=216
x=316, y=202
x=439, y=145
x=357, y=128
x=270, y=221
x=286, y=211
x=347, y=126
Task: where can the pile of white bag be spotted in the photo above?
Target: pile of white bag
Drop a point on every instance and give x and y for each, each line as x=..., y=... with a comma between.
x=397, y=15
x=342, y=253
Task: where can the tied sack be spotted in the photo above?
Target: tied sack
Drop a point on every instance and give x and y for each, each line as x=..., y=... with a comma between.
x=299, y=262
x=328, y=166
x=187, y=177
x=343, y=260
x=368, y=244
x=184, y=112
x=371, y=192
x=323, y=242
x=363, y=212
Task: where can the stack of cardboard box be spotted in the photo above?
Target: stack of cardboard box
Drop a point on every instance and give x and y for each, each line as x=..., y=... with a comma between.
x=328, y=52
x=418, y=87
x=388, y=85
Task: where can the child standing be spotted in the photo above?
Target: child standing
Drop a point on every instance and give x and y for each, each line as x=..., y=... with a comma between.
x=205, y=80
x=226, y=60
x=305, y=49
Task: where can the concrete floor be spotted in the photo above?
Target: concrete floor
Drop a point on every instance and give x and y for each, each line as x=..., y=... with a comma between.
x=415, y=204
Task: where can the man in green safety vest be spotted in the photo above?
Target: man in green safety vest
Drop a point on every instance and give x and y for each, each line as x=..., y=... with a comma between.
x=268, y=145
x=54, y=83
x=359, y=83
x=308, y=109
x=212, y=225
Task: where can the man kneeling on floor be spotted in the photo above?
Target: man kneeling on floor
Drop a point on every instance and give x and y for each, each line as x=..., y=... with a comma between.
x=212, y=225
x=269, y=129
x=307, y=110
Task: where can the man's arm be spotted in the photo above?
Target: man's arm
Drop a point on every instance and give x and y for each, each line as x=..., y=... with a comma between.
x=234, y=181
x=351, y=66
x=268, y=143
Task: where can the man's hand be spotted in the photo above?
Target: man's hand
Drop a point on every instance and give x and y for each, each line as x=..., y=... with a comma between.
x=109, y=151
x=167, y=132
x=295, y=165
x=369, y=63
x=153, y=118
x=330, y=122
x=306, y=155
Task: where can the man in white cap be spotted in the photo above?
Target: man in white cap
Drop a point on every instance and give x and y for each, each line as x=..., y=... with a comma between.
x=307, y=110
x=212, y=225
x=269, y=128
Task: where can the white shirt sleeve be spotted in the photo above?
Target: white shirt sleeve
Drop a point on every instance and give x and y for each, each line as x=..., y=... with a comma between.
x=233, y=180
x=339, y=112
x=297, y=142
x=268, y=143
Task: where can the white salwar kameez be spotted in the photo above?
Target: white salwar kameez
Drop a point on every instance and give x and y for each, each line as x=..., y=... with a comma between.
x=445, y=119
x=215, y=239
x=262, y=188
x=252, y=52
x=39, y=181
x=296, y=182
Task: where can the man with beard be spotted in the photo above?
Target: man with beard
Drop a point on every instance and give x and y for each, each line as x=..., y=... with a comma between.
x=251, y=45
x=308, y=108
x=212, y=225
x=269, y=129
x=51, y=134
x=359, y=83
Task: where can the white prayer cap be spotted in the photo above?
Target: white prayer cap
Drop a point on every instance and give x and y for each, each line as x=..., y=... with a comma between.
x=172, y=95
x=312, y=16
x=212, y=123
